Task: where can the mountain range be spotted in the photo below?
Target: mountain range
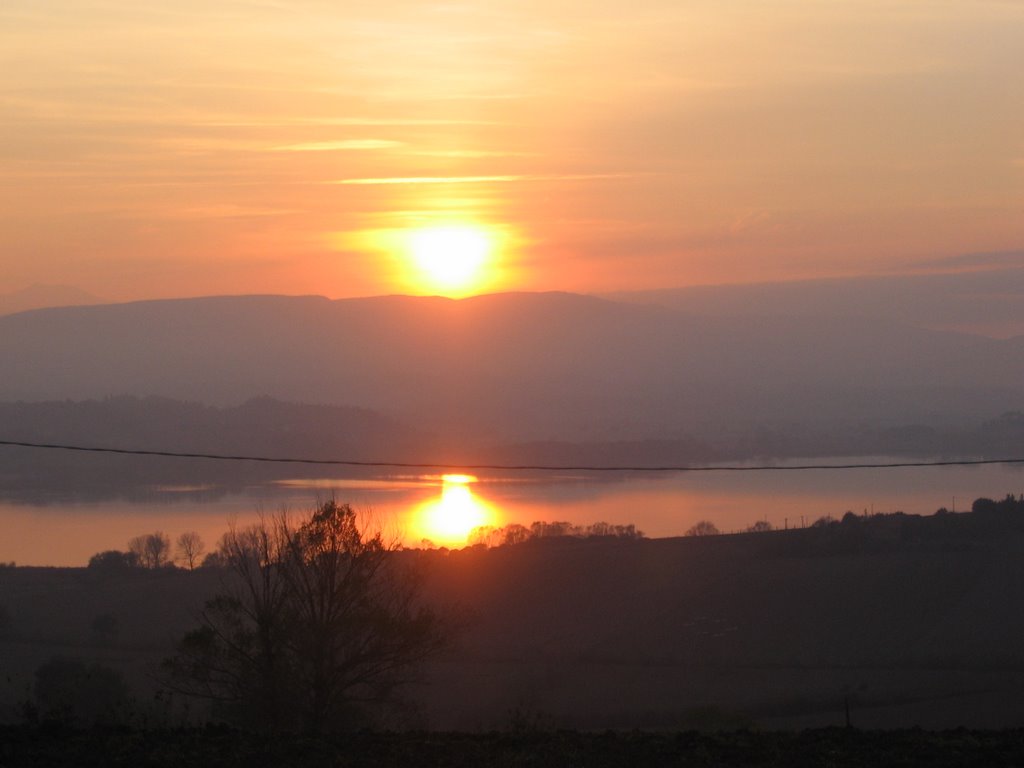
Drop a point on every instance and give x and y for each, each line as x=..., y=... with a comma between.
x=535, y=369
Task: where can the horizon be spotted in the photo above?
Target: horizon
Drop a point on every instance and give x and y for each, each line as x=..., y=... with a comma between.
x=977, y=295
x=958, y=265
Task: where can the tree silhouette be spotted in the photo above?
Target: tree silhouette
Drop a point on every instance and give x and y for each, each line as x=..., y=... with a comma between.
x=151, y=550
x=319, y=620
x=190, y=548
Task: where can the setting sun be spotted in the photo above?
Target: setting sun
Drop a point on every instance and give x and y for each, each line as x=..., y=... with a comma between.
x=451, y=258
x=450, y=519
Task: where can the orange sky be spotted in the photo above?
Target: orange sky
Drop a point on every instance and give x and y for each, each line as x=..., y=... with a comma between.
x=226, y=146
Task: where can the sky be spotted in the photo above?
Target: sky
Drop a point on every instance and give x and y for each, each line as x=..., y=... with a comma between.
x=152, y=149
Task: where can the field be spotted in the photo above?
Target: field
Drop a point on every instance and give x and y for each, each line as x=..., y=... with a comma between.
x=768, y=631
x=837, y=748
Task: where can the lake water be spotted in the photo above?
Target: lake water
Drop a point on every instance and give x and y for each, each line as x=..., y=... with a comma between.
x=38, y=531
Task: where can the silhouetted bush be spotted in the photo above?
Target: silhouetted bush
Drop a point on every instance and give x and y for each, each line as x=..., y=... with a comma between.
x=703, y=528
x=74, y=693
x=214, y=560
x=1008, y=506
x=113, y=561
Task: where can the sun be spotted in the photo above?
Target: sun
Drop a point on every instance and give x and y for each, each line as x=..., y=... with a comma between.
x=451, y=259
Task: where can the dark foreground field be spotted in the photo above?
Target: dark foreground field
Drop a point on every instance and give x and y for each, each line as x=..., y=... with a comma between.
x=219, y=746
x=902, y=622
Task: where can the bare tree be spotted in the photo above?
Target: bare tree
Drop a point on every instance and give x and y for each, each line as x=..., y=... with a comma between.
x=151, y=550
x=320, y=620
x=190, y=548
x=238, y=657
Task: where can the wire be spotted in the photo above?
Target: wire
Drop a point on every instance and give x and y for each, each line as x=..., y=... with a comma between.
x=520, y=467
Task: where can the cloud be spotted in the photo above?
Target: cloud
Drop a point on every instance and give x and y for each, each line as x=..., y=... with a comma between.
x=982, y=261
x=472, y=153
x=344, y=145
x=221, y=211
x=497, y=179
x=286, y=121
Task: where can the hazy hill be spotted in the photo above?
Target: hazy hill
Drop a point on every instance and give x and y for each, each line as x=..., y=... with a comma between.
x=38, y=296
x=986, y=302
x=516, y=367
x=260, y=426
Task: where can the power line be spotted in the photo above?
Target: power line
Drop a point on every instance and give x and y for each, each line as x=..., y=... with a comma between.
x=518, y=467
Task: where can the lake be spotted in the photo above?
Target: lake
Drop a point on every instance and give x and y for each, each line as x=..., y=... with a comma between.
x=44, y=530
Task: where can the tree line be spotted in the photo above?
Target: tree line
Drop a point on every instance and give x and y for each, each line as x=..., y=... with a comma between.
x=153, y=551
x=515, y=533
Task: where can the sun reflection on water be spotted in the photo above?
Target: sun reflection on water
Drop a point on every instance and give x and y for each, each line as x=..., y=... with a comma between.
x=448, y=520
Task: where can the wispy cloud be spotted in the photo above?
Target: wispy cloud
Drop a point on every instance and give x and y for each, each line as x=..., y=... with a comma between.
x=497, y=179
x=979, y=261
x=471, y=153
x=221, y=211
x=284, y=122
x=340, y=146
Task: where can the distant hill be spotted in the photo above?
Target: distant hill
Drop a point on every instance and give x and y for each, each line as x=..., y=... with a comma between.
x=986, y=302
x=39, y=296
x=261, y=427
x=265, y=427
x=515, y=368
